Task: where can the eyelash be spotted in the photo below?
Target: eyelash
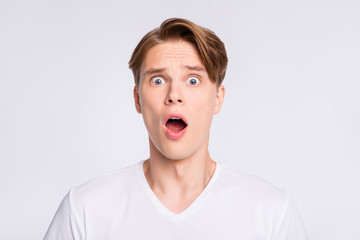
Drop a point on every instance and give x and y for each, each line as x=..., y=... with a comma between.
x=194, y=77
x=152, y=80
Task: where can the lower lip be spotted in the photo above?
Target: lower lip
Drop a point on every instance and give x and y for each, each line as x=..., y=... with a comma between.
x=174, y=135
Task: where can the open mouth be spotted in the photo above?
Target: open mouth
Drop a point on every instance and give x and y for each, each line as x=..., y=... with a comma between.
x=175, y=124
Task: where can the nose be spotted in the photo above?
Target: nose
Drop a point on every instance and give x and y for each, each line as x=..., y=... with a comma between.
x=174, y=95
x=169, y=101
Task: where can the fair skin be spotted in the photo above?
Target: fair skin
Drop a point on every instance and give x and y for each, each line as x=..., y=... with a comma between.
x=173, y=81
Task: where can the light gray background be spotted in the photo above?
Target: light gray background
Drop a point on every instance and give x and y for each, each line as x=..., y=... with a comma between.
x=291, y=112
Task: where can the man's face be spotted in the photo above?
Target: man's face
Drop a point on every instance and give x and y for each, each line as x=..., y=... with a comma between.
x=177, y=99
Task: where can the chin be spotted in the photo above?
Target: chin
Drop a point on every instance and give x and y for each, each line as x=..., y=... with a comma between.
x=174, y=151
x=177, y=157
x=175, y=154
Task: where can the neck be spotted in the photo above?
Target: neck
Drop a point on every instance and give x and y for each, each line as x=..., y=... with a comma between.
x=178, y=176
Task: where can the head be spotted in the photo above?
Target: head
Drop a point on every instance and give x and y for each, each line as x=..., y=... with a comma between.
x=210, y=48
x=178, y=71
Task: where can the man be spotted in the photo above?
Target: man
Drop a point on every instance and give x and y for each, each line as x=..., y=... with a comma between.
x=179, y=192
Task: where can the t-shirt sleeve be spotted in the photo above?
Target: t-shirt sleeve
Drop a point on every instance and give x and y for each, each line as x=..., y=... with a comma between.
x=290, y=226
x=65, y=224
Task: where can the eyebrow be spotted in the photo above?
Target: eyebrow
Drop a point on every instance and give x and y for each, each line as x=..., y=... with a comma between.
x=151, y=71
x=196, y=68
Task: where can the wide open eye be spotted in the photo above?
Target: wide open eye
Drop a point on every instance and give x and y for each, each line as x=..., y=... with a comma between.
x=157, y=81
x=193, y=81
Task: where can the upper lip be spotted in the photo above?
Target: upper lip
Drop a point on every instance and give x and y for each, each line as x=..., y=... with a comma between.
x=174, y=115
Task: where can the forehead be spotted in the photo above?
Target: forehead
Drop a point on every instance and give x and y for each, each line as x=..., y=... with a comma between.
x=168, y=53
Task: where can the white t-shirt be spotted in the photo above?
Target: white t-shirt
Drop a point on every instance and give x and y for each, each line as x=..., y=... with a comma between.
x=121, y=205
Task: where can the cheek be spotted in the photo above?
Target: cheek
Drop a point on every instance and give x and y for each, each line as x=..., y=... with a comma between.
x=150, y=110
x=146, y=100
x=204, y=109
x=205, y=102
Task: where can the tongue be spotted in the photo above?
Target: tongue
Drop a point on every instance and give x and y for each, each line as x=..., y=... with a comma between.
x=175, y=125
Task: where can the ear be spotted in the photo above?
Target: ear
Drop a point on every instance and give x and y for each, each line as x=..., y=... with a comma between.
x=219, y=99
x=137, y=100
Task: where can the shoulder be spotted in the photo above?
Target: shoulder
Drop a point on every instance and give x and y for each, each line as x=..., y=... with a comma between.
x=261, y=202
x=250, y=187
x=107, y=186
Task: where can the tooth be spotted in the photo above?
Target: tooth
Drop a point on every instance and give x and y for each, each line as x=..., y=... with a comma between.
x=174, y=118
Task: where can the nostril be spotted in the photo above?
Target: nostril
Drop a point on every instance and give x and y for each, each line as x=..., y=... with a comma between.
x=172, y=101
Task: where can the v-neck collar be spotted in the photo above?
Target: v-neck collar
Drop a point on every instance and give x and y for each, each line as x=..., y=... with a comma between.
x=176, y=217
